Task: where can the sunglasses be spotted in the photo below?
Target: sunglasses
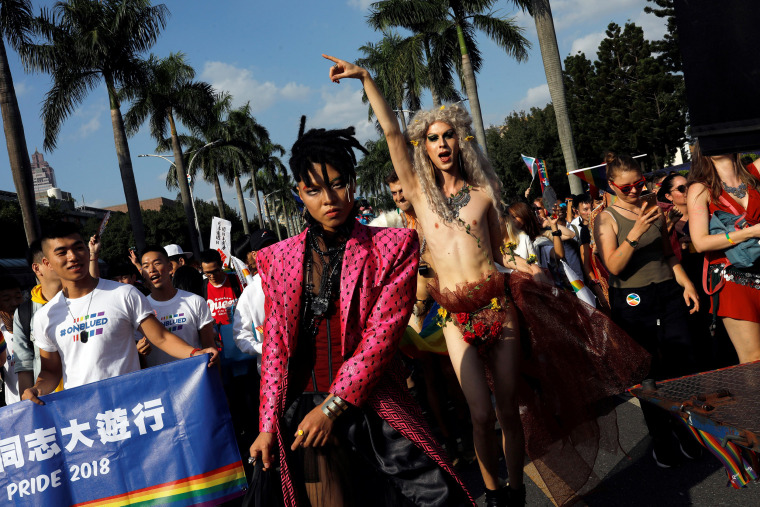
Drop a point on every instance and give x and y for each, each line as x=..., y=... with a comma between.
x=680, y=188
x=626, y=189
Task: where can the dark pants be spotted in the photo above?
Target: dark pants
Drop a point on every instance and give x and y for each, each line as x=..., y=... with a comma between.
x=659, y=323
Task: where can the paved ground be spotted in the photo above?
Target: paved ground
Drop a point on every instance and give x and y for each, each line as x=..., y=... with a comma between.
x=638, y=481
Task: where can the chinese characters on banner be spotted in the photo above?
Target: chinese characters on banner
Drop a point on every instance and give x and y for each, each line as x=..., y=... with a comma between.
x=221, y=238
x=159, y=436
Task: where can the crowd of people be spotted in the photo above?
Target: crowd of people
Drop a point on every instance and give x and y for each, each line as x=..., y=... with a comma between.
x=530, y=314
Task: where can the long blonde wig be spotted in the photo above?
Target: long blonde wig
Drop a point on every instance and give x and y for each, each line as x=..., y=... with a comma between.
x=473, y=165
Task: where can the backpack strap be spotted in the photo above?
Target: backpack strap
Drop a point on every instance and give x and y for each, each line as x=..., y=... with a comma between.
x=725, y=202
x=25, y=318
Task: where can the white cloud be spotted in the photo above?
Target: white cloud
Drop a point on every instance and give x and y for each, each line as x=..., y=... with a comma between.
x=654, y=28
x=162, y=176
x=91, y=120
x=535, y=97
x=361, y=5
x=244, y=87
x=568, y=13
x=588, y=45
x=341, y=109
x=21, y=88
x=295, y=91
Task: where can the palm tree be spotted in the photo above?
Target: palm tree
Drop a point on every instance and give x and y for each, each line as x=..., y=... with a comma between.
x=547, y=40
x=432, y=40
x=249, y=138
x=87, y=43
x=464, y=16
x=270, y=166
x=398, y=69
x=15, y=23
x=374, y=167
x=167, y=95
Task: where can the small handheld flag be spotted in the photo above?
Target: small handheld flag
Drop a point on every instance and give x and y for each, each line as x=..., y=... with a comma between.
x=531, y=163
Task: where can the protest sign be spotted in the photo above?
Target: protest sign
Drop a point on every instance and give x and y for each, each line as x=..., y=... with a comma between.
x=158, y=436
x=221, y=238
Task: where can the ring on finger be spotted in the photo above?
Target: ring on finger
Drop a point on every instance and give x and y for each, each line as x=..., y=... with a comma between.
x=299, y=433
x=252, y=460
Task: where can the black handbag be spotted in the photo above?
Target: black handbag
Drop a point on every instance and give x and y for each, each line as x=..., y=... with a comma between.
x=265, y=489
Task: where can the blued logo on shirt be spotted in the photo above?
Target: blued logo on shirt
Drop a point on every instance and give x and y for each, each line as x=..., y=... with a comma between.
x=92, y=323
x=173, y=322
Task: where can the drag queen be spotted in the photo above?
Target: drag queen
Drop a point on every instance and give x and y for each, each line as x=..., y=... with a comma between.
x=334, y=406
x=539, y=402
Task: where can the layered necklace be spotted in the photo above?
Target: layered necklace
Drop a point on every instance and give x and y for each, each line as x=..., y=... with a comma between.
x=458, y=201
x=330, y=260
x=739, y=192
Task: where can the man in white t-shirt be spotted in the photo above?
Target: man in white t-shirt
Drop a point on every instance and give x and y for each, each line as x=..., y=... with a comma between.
x=86, y=332
x=249, y=314
x=183, y=313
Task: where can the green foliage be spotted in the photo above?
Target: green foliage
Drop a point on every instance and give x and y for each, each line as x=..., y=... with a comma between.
x=668, y=46
x=14, y=238
x=533, y=134
x=161, y=228
x=626, y=100
x=372, y=170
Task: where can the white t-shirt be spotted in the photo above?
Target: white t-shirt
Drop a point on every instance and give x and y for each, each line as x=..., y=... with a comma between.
x=524, y=246
x=184, y=315
x=9, y=370
x=110, y=314
x=249, y=317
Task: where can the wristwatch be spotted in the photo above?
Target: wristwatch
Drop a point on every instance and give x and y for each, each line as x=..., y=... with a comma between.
x=633, y=244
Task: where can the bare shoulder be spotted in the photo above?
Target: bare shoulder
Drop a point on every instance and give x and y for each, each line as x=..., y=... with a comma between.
x=605, y=222
x=698, y=191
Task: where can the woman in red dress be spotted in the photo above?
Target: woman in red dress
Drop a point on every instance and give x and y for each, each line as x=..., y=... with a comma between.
x=721, y=182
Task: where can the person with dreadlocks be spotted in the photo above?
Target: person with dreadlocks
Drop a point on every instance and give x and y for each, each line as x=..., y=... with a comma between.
x=539, y=403
x=333, y=401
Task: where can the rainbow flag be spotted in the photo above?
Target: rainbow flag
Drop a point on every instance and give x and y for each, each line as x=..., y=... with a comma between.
x=594, y=176
x=531, y=163
x=581, y=291
x=543, y=176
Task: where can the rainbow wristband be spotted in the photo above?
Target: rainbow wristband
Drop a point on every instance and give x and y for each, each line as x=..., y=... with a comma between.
x=729, y=239
x=3, y=345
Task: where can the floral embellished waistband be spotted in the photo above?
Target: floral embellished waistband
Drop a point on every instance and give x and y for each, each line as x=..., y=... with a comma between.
x=480, y=327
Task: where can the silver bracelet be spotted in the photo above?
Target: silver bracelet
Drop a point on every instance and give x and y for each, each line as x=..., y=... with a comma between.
x=334, y=407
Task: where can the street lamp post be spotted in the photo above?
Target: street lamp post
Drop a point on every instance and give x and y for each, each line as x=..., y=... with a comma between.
x=192, y=198
x=276, y=217
x=258, y=210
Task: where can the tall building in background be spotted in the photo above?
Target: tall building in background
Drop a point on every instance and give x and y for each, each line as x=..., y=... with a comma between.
x=43, y=174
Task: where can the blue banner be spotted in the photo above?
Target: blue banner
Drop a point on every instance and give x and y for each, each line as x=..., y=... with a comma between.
x=161, y=436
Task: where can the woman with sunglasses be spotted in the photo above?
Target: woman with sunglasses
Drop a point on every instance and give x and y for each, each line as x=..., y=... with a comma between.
x=672, y=196
x=722, y=182
x=649, y=293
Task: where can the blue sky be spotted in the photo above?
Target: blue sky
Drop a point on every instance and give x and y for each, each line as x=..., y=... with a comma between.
x=268, y=53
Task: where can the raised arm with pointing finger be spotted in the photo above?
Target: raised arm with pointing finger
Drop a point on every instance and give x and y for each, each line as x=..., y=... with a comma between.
x=397, y=145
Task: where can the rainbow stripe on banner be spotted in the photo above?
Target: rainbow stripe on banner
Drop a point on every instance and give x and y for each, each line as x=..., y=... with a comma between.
x=211, y=488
